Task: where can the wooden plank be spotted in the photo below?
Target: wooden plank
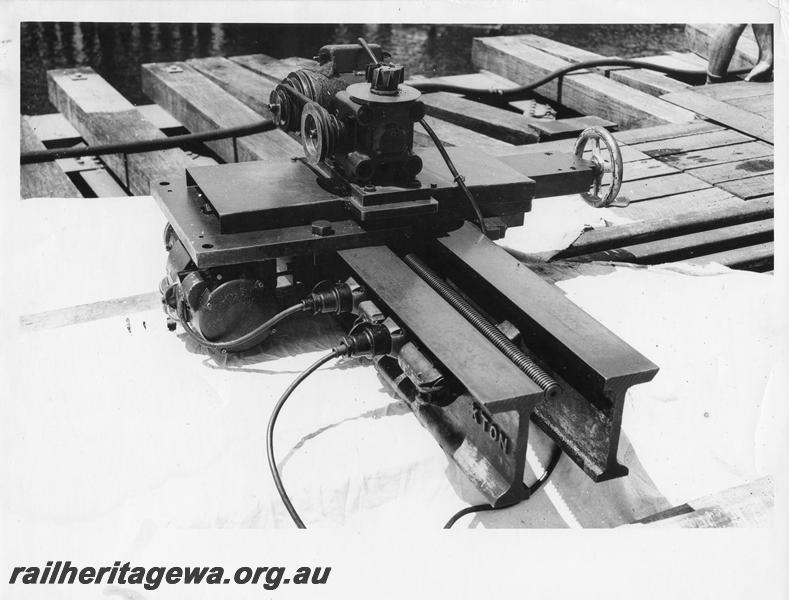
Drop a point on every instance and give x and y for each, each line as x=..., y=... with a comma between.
x=663, y=132
x=102, y=116
x=700, y=141
x=159, y=117
x=722, y=154
x=245, y=85
x=736, y=90
x=747, y=505
x=54, y=130
x=586, y=93
x=648, y=167
x=672, y=60
x=43, y=179
x=691, y=60
x=485, y=80
x=93, y=311
x=700, y=36
x=731, y=116
x=740, y=169
x=656, y=187
x=752, y=187
x=758, y=257
x=643, y=231
x=273, y=69
x=557, y=129
x=629, y=154
x=455, y=135
x=201, y=105
x=711, y=198
x=686, y=246
x=488, y=120
x=102, y=183
x=559, y=49
x=650, y=82
x=761, y=105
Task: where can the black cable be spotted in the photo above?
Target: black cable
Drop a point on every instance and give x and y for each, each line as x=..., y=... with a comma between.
x=272, y=463
x=468, y=510
x=39, y=156
x=248, y=339
x=510, y=93
x=457, y=176
x=295, y=92
x=552, y=462
x=532, y=489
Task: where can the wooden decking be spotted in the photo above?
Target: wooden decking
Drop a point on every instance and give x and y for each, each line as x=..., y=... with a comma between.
x=698, y=160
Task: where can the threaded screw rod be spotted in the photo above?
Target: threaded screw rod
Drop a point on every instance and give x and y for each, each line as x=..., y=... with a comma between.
x=484, y=326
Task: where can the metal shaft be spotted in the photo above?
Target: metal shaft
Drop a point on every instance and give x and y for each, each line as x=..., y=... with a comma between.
x=363, y=43
x=485, y=327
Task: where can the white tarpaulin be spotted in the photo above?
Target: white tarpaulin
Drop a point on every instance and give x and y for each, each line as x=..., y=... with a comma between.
x=122, y=424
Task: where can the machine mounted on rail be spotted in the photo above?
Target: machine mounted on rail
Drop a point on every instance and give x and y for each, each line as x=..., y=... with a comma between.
x=469, y=337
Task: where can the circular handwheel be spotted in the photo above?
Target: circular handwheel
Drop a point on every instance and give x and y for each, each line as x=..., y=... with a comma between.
x=607, y=161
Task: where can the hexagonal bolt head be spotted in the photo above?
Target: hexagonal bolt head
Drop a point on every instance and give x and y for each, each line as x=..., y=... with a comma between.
x=322, y=228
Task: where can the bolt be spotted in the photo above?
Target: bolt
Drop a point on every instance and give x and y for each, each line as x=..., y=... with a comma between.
x=433, y=185
x=322, y=228
x=369, y=188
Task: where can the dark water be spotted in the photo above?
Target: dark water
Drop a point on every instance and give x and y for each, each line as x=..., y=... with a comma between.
x=116, y=50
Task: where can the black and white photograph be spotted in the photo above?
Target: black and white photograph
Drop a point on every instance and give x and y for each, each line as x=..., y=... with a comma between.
x=377, y=275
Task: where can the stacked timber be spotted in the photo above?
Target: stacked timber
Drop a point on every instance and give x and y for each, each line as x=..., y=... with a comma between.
x=698, y=181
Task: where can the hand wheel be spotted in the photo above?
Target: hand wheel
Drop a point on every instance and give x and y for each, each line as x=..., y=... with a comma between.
x=609, y=161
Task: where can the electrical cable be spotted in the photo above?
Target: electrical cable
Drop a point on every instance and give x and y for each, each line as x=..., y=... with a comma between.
x=39, y=156
x=272, y=463
x=512, y=93
x=248, y=339
x=532, y=489
x=295, y=92
x=457, y=176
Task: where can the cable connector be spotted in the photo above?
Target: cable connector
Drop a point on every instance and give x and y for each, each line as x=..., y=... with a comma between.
x=336, y=299
x=368, y=340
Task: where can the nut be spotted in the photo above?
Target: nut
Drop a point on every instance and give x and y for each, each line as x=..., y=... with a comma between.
x=322, y=228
